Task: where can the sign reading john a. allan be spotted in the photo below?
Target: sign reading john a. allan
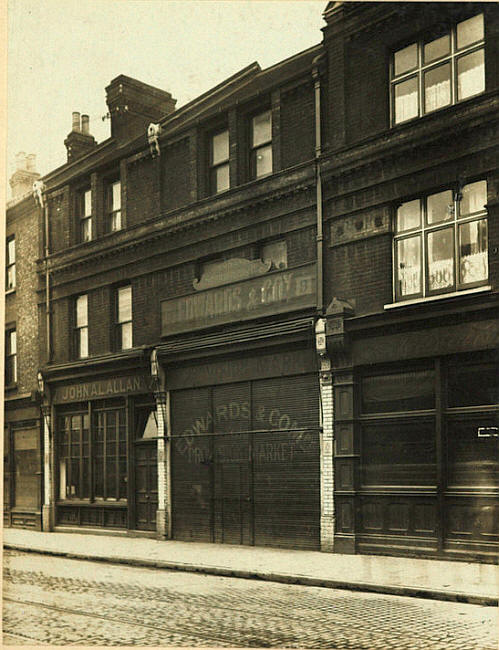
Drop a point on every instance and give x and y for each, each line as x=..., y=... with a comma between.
x=103, y=388
x=262, y=296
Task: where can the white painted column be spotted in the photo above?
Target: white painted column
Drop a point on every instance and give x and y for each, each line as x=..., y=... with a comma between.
x=327, y=438
x=48, y=475
x=163, y=514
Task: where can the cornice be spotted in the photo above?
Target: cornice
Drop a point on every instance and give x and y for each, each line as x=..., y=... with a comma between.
x=240, y=199
x=397, y=140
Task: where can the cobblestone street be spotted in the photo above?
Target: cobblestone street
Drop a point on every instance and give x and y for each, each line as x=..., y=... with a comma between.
x=58, y=601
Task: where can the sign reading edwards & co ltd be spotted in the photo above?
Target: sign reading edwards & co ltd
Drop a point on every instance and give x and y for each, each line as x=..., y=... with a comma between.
x=262, y=296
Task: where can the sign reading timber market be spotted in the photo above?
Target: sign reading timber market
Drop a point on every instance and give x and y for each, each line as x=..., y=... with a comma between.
x=265, y=295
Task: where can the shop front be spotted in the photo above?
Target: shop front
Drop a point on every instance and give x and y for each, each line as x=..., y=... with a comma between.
x=425, y=462
x=104, y=469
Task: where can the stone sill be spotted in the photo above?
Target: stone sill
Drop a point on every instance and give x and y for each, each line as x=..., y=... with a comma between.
x=443, y=296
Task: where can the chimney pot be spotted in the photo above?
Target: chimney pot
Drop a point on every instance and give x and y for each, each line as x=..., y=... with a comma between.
x=31, y=162
x=76, y=122
x=21, y=160
x=85, y=125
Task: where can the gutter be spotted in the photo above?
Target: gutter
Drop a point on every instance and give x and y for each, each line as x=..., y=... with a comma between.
x=318, y=183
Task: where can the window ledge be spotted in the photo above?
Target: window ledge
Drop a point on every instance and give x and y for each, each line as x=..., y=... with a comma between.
x=444, y=296
x=10, y=291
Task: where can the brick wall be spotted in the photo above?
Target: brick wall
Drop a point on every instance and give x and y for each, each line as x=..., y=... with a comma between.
x=142, y=190
x=21, y=305
x=176, y=188
x=361, y=271
x=297, y=125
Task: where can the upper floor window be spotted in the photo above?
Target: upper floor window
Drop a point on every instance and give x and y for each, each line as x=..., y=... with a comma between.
x=441, y=242
x=276, y=253
x=84, y=213
x=10, y=357
x=261, y=144
x=219, y=162
x=437, y=72
x=124, y=317
x=113, y=206
x=81, y=326
x=10, y=258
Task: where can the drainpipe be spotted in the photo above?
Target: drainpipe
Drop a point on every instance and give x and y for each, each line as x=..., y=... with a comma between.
x=39, y=195
x=318, y=184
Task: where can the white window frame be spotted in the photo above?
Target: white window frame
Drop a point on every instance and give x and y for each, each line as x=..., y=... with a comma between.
x=422, y=68
x=422, y=231
x=11, y=356
x=114, y=222
x=215, y=166
x=81, y=327
x=122, y=322
x=255, y=148
x=84, y=215
x=10, y=264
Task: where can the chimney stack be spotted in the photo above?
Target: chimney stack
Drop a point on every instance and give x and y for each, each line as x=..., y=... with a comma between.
x=79, y=141
x=21, y=181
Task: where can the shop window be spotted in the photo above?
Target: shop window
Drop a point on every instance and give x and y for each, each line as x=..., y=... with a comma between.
x=473, y=385
x=146, y=423
x=10, y=357
x=276, y=253
x=74, y=456
x=398, y=392
x=472, y=457
x=401, y=453
x=26, y=468
x=10, y=266
x=84, y=215
x=219, y=162
x=261, y=144
x=113, y=206
x=440, y=243
x=110, y=456
x=124, y=317
x=81, y=326
x=438, y=71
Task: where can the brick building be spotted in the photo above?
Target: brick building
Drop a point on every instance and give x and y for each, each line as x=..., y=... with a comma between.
x=22, y=423
x=273, y=311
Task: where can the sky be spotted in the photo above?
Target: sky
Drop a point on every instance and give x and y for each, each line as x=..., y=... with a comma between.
x=63, y=53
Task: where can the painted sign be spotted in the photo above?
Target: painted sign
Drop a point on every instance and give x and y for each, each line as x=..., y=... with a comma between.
x=262, y=296
x=103, y=388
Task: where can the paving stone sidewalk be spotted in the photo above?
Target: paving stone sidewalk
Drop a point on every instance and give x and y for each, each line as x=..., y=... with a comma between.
x=438, y=579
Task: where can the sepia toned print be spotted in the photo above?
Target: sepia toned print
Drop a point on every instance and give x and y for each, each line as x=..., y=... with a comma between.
x=251, y=326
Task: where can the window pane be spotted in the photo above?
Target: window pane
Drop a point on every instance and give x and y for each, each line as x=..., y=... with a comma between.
x=263, y=161
x=125, y=304
x=276, y=253
x=406, y=59
x=472, y=460
x=470, y=31
x=26, y=467
x=406, y=100
x=262, y=128
x=437, y=48
x=474, y=198
x=87, y=203
x=86, y=229
x=470, y=75
x=126, y=336
x=222, y=178
x=116, y=194
x=409, y=216
x=12, y=342
x=473, y=385
x=220, y=147
x=11, y=251
x=83, y=351
x=440, y=207
x=116, y=221
x=437, y=87
x=473, y=252
x=402, y=391
x=81, y=310
x=398, y=454
x=409, y=266
x=11, y=277
x=441, y=259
